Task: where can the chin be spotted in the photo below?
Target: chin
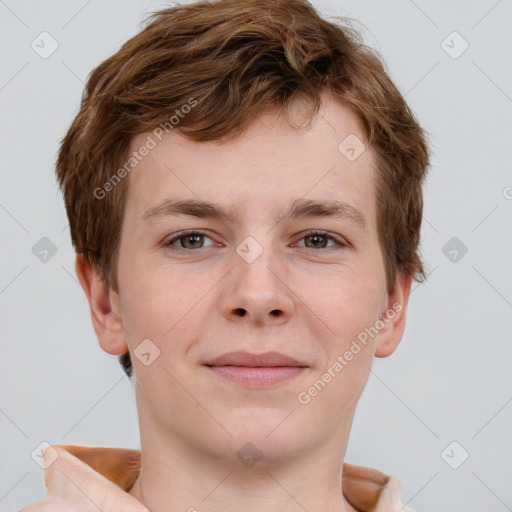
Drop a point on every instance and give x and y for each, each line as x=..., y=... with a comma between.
x=269, y=437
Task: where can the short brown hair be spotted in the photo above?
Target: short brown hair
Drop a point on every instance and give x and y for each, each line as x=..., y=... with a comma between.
x=232, y=60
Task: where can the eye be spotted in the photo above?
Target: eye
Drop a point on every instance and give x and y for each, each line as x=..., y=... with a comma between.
x=188, y=240
x=318, y=239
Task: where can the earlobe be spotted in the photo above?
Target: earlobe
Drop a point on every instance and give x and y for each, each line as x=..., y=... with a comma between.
x=393, y=318
x=105, y=315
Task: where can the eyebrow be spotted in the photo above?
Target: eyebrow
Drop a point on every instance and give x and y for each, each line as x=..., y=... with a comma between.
x=299, y=208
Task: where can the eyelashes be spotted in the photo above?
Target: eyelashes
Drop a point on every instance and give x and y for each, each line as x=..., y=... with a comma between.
x=197, y=235
x=324, y=234
x=184, y=235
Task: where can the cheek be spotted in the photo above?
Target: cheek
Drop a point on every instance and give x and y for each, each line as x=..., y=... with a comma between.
x=347, y=310
x=165, y=304
x=344, y=301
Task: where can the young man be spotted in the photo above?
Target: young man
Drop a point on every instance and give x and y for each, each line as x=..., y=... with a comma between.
x=244, y=189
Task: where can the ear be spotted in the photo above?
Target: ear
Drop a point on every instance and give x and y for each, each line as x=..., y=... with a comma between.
x=104, y=306
x=393, y=317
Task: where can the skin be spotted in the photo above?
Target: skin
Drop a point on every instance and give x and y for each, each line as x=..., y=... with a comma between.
x=193, y=422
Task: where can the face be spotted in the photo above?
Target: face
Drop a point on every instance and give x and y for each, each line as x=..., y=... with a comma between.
x=275, y=274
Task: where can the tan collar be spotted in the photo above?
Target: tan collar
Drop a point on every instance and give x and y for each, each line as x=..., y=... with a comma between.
x=366, y=489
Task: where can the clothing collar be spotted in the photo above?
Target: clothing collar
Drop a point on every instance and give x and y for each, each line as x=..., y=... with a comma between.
x=366, y=489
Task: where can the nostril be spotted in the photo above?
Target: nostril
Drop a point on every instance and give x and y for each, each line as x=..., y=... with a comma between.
x=275, y=312
x=240, y=311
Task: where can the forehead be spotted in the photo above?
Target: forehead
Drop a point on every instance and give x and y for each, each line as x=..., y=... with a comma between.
x=270, y=165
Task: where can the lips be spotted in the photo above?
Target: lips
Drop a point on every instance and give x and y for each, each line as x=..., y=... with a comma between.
x=256, y=370
x=268, y=359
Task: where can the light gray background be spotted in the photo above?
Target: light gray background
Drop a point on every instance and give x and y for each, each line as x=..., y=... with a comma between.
x=450, y=379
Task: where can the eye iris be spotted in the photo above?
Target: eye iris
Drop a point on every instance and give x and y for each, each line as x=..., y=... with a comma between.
x=316, y=237
x=195, y=240
x=187, y=238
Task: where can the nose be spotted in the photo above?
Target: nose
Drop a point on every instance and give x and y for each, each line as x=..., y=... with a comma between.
x=257, y=292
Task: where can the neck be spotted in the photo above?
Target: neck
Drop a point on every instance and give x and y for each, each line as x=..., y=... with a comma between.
x=178, y=476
